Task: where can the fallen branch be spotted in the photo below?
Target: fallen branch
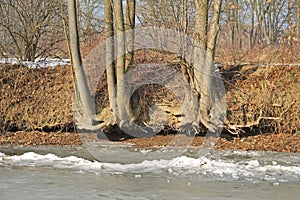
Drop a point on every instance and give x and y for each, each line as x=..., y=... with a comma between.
x=236, y=129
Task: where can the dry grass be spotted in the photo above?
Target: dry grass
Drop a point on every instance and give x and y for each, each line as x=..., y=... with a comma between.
x=264, y=99
x=260, y=99
x=35, y=99
x=269, y=55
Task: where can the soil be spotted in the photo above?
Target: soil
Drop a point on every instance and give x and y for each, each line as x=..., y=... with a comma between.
x=289, y=143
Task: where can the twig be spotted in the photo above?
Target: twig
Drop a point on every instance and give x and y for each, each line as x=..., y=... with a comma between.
x=235, y=129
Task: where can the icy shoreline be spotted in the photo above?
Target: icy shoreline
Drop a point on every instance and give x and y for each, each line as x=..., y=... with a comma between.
x=253, y=167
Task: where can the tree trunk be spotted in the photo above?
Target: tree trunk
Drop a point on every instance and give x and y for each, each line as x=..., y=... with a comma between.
x=207, y=87
x=263, y=22
x=110, y=65
x=184, y=17
x=133, y=107
x=120, y=66
x=200, y=37
x=83, y=98
x=213, y=28
x=130, y=25
x=252, y=30
x=203, y=68
x=201, y=22
x=119, y=56
x=298, y=19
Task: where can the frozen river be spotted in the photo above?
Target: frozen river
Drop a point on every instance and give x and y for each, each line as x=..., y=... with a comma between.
x=146, y=174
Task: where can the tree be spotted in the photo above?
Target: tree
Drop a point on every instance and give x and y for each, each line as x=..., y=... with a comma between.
x=297, y=18
x=110, y=67
x=180, y=15
x=82, y=90
x=205, y=35
x=119, y=57
x=257, y=22
x=117, y=41
x=172, y=14
x=130, y=25
x=90, y=18
x=120, y=61
x=30, y=29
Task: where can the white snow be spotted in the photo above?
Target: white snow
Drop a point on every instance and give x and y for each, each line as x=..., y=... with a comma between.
x=1, y=156
x=253, y=163
x=182, y=165
x=47, y=62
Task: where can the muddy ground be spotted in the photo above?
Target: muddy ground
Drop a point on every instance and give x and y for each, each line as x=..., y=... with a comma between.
x=289, y=143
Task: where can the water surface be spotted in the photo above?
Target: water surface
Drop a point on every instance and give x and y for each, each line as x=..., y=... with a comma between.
x=191, y=175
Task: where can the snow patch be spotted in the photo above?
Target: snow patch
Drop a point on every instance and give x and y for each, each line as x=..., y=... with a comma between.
x=253, y=163
x=2, y=155
x=39, y=63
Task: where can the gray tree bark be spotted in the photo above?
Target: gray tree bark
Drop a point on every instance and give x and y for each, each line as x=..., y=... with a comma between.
x=110, y=65
x=84, y=98
x=120, y=61
x=133, y=107
x=206, y=37
x=119, y=56
x=263, y=22
x=130, y=25
x=201, y=22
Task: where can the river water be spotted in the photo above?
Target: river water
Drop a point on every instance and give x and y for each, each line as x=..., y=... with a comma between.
x=146, y=174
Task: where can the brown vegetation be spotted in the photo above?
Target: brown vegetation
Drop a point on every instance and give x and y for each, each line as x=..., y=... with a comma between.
x=272, y=54
x=259, y=99
x=263, y=99
x=35, y=99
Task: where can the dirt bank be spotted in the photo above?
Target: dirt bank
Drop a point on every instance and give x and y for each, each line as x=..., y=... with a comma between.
x=36, y=108
x=289, y=143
